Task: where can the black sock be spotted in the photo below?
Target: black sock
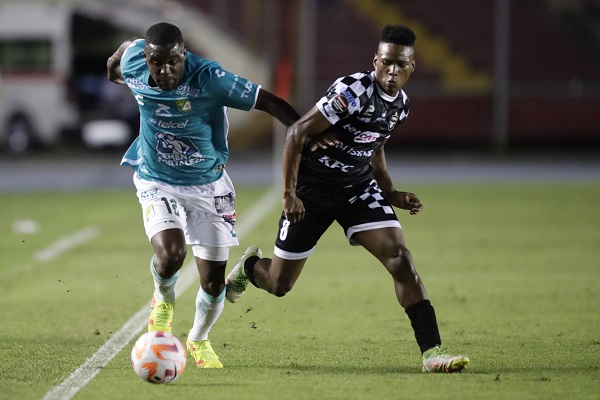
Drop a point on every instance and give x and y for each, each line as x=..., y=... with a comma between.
x=423, y=321
x=249, y=268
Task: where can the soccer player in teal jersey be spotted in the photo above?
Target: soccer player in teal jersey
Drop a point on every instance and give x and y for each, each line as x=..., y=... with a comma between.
x=179, y=161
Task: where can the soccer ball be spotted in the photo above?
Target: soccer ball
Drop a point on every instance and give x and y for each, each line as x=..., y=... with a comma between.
x=158, y=357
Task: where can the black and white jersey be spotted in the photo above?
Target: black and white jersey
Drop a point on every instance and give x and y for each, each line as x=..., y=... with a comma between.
x=362, y=115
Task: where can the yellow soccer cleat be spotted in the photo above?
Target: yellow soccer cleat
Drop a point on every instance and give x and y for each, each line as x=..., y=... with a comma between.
x=203, y=354
x=161, y=315
x=437, y=359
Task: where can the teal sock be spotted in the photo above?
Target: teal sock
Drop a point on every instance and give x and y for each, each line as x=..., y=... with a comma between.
x=164, y=289
x=208, y=311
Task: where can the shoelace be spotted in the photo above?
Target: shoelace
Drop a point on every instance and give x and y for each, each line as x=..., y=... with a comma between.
x=162, y=314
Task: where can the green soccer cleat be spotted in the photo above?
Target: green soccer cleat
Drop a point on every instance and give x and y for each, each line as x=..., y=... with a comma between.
x=161, y=315
x=203, y=354
x=237, y=281
x=437, y=359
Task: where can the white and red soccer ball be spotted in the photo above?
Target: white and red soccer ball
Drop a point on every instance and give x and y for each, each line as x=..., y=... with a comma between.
x=158, y=357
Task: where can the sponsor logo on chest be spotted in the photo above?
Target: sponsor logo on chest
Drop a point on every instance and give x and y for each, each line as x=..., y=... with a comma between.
x=171, y=124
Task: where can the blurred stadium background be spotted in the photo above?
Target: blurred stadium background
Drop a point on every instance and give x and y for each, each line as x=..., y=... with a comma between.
x=493, y=77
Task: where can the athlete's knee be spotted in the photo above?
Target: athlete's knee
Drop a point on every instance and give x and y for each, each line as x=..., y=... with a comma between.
x=404, y=256
x=280, y=289
x=212, y=276
x=400, y=264
x=169, y=260
x=213, y=288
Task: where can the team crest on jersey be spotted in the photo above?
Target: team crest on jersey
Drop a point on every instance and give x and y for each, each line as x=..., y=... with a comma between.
x=393, y=120
x=149, y=213
x=183, y=105
x=176, y=151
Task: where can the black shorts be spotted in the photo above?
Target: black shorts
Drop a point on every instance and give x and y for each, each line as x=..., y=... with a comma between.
x=355, y=209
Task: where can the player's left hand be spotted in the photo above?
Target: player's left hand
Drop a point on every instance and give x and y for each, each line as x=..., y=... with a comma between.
x=407, y=201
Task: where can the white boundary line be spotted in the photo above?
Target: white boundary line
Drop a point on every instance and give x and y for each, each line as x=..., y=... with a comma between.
x=67, y=243
x=90, y=368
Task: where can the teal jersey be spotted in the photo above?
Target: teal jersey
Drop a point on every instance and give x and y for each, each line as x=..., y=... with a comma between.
x=183, y=132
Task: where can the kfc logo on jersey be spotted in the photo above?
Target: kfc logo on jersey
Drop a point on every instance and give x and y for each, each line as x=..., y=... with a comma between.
x=335, y=164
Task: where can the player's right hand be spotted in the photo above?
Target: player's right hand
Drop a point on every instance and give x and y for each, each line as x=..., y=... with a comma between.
x=293, y=208
x=323, y=141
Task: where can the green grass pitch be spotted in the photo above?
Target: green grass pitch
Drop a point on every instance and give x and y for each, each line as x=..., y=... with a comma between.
x=513, y=271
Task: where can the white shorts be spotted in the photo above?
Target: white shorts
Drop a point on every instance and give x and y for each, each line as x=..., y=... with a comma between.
x=205, y=213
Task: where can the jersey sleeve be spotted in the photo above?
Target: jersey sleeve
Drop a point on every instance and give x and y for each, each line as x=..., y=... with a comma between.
x=133, y=55
x=340, y=102
x=231, y=90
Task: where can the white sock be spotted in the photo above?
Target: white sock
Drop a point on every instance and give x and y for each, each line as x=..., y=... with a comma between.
x=208, y=310
x=164, y=289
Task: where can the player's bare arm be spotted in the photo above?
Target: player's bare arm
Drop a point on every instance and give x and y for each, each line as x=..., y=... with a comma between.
x=276, y=107
x=280, y=109
x=113, y=64
x=402, y=200
x=309, y=125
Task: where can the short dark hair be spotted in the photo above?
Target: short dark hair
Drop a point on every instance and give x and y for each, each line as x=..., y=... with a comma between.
x=398, y=34
x=163, y=34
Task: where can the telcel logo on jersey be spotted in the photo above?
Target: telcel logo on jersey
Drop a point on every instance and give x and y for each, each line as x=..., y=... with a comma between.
x=172, y=124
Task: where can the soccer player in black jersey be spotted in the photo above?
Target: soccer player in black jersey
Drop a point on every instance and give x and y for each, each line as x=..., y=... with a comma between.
x=348, y=182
